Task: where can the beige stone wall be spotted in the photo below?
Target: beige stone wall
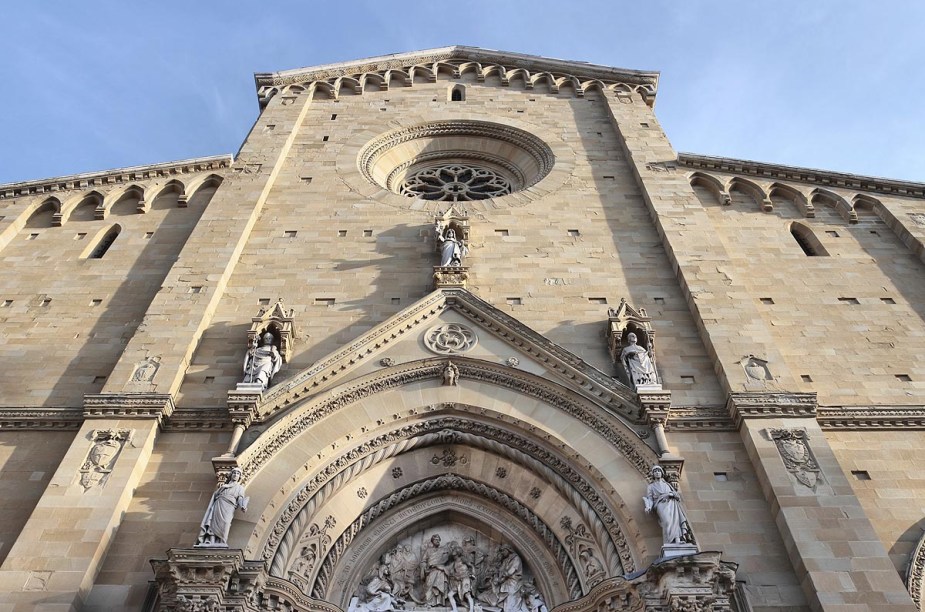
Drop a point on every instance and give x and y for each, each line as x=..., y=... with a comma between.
x=847, y=324
x=27, y=462
x=733, y=516
x=65, y=318
x=164, y=513
x=894, y=496
x=561, y=253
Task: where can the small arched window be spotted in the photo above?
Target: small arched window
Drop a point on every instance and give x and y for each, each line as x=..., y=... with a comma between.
x=807, y=240
x=457, y=93
x=105, y=242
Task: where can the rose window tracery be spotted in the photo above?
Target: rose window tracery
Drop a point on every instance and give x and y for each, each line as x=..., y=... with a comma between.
x=455, y=183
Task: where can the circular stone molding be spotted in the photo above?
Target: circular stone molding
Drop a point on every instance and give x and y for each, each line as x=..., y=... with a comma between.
x=456, y=160
x=450, y=339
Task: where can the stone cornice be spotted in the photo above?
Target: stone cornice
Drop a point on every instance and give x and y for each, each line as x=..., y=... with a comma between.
x=582, y=71
x=128, y=406
x=871, y=417
x=700, y=418
x=770, y=405
x=803, y=175
x=114, y=177
x=41, y=419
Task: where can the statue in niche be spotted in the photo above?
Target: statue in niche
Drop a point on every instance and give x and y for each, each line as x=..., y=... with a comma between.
x=665, y=501
x=594, y=571
x=434, y=559
x=452, y=249
x=216, y=523
x=450, y=374
x=638, y=363
x=262, y=362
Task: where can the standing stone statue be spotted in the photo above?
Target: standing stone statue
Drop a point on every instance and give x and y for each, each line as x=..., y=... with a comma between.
x=262, y=362
x=452, y=249
x=662, y=498
x=434, y=572
x=638, y=363
x=213, y=532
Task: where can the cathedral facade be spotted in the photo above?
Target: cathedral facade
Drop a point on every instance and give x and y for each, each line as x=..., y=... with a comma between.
x=459, y=330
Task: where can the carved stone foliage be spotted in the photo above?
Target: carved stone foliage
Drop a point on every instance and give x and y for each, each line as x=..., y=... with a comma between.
x=448, y=564
x=593, y=507
x=450, y=339
x=793, y=445
x=451, y=276
x=106, y=445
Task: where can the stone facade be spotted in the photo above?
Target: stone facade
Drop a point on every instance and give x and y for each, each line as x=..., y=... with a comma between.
x=485, y=401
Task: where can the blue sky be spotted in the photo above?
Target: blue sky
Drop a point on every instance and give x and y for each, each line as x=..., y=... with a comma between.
x=836, y=85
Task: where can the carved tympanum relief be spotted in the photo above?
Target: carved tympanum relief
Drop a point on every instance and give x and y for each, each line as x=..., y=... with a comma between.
x=448, y=567
x=106, y=445
x=793, y=445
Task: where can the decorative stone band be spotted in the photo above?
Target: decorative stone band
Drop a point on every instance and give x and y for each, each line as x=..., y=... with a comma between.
x=457, y=61
x=803, y=175
x=114, y=177
x=757, y=405
x=871, y=417
x=128, y=406
x=41, y=419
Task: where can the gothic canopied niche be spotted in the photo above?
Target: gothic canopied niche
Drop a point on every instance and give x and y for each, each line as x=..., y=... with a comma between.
x=631, y=341
x=451, y=241
x=448, y=567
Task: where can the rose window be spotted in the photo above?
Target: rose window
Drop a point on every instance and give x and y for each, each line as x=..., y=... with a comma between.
x=455, y=183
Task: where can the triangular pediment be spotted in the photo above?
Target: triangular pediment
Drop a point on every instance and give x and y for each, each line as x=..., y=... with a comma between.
x=454, y=323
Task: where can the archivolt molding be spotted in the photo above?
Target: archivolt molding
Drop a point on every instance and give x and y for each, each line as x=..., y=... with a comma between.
x=624, y=439
x=604, y=389
x=446, y=482
x=915, y=572
x=591, y=507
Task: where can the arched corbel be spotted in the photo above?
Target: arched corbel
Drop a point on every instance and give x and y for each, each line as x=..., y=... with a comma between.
x=754, y=190
x=712, y=184
x=840, y=204
x=796, y=196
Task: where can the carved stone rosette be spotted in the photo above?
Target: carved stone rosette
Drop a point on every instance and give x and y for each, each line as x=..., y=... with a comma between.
x=793, y=445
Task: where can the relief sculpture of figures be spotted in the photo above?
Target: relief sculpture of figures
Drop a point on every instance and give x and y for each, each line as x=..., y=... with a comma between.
x=638, y=363
x=461, y=578
x=665, y=501
x=216, y=523
x=452, y=249
x=262, y=362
